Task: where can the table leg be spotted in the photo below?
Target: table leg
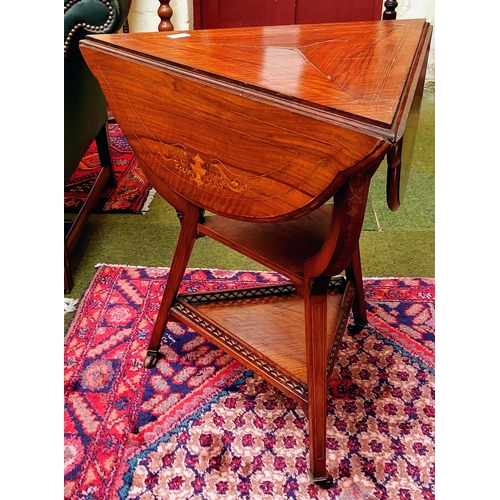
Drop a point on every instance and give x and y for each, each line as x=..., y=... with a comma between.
x=354, y=274
x=315, y=303
x=185, y=243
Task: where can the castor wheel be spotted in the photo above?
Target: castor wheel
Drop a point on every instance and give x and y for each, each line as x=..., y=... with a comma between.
x=323, y=482
x=355, y=327
x=151, y=359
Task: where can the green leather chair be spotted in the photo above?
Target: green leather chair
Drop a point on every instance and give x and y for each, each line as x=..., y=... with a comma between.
x=85, y=109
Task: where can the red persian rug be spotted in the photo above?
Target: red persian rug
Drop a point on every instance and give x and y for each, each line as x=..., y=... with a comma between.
x=133, y=192
x=201, y=426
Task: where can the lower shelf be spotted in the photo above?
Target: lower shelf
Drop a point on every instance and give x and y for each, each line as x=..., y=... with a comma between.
x=265, y=243
x=263, y=327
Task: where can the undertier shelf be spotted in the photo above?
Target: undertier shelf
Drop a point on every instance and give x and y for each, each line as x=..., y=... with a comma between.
x=264, y=328
x=281, y=246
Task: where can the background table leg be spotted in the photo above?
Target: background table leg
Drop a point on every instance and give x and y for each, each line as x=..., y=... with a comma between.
x=354, y=274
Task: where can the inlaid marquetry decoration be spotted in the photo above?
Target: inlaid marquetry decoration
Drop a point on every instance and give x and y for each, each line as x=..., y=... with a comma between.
x=209, y=173
x=249, y=142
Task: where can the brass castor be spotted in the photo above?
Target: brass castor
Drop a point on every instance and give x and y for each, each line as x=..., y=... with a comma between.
x=151, y=359
x=322, y=482
x=355, y=327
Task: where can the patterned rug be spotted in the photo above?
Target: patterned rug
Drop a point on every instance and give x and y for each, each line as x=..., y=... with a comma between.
x=133, y=193
x=201, y=426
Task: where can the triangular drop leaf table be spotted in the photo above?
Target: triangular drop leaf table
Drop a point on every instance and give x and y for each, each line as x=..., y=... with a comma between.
x=263, y=128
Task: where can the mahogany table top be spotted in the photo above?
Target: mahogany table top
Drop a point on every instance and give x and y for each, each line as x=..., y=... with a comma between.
x=263, y=123
x=355, y=69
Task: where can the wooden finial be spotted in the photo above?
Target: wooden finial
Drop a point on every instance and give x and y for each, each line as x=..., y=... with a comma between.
x=390, y=9
x=165, y=12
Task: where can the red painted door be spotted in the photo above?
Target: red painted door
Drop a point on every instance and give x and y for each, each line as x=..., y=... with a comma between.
x=236, y=13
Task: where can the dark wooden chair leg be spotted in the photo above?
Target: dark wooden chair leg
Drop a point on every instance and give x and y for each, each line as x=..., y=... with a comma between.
x=354, y=274
x=68, y=278
x=315, y=303
x=103, y=145
x=185, y=243
x=105, y=179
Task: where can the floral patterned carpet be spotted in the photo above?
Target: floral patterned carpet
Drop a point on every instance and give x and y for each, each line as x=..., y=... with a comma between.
x=133, y=192
x=201, y=426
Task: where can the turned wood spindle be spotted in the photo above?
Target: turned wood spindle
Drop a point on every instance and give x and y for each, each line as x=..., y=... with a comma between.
x=390, y=9
x=165, y=13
